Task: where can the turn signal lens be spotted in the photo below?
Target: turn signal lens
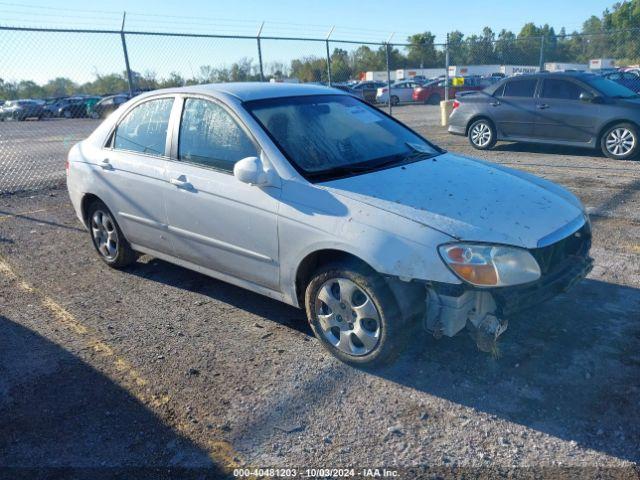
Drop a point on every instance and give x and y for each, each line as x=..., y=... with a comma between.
x=490, y=265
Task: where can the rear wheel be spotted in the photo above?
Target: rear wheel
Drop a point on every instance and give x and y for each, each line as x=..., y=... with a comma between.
x=620, y=141
x=482, y=134
x=355, y=315
x=394, y=100
x=107, y=237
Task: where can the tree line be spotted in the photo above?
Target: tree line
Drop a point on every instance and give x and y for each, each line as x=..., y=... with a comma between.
x=615, y=34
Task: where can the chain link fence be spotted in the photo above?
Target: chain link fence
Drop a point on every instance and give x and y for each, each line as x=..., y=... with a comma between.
x=52, y=79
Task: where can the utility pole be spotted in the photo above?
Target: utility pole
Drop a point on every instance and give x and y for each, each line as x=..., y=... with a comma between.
x=388, y=55
x=329, y=55
x=260, y=52
x=446, y=69
x=126, y=55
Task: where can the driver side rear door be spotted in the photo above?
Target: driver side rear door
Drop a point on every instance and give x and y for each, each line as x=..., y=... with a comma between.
x=514, y=109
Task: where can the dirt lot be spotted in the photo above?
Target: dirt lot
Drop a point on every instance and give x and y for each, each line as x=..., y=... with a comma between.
x=158, y=366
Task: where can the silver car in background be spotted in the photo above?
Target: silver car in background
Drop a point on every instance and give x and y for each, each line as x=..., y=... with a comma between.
x=400, y=92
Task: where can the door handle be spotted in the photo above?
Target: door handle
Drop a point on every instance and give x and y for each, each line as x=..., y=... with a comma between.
x=106, y=165
x=494, y=104
x=542, y=106
x=178, y=182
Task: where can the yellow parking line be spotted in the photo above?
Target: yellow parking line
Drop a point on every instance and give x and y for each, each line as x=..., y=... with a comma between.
x=220, y=451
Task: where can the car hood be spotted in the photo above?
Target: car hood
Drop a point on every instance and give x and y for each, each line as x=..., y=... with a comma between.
x=467, y=199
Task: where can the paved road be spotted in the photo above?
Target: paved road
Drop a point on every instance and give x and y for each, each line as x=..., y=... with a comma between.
x=161, y=366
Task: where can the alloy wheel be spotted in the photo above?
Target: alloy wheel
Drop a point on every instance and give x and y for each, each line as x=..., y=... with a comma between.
x=348, y=318
x=620, y=141
x=481, y=134
x=105, y=235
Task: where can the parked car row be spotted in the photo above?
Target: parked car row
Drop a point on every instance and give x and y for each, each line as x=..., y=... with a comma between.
x=629, y=79
x=572, y=109
x=62, y=107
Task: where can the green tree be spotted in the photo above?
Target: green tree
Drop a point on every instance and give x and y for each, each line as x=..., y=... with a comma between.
x=421, y=51
x=60, y=87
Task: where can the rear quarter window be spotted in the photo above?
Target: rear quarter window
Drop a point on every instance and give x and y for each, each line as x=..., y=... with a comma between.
x=144, y=129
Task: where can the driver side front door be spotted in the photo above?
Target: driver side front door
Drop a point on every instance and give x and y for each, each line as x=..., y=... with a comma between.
x=214, y=220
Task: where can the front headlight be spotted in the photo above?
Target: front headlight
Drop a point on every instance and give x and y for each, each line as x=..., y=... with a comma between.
x=490, y=265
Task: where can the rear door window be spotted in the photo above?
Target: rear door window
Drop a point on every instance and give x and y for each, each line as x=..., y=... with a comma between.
x=525, y=88
x=144, y=129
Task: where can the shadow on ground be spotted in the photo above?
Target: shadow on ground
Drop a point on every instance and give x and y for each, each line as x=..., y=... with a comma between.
x=60, y=418
x=570, y=368
x=546, y=149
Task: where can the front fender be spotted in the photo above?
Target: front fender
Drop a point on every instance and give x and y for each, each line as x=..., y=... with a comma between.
x=390, y=244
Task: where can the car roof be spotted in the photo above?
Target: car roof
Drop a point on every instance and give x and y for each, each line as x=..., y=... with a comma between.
x=247, y=91
x=578, y=75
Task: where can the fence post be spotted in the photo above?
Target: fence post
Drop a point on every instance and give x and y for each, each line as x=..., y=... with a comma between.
x=388, y=54
x=446, y=69
x=329, y=55
x=126, y=55
x=542, y=53
x=260, y=52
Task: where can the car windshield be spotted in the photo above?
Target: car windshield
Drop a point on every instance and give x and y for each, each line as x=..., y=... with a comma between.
x=609, y=88
x=331, y=136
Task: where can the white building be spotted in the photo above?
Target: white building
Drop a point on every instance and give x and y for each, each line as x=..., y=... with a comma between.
x=511, y=70
x=466, y=70
x=563, y=67
x=600, y=63
x=409, y=73
x=378, y=76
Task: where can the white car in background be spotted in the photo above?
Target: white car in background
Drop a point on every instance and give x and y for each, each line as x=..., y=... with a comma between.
x=310, y=196
x=400, y=92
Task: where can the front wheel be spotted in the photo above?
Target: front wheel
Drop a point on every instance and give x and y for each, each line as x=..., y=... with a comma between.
x=482, y=134
x=355, y=315
x=394, y=100
x=620, y=142
x=107, y=238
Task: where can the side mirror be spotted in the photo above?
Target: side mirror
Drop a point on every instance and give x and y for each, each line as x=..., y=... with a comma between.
x=251, y=170
x=586, y=97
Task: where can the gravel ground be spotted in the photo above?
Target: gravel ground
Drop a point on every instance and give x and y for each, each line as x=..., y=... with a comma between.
x=158, y=366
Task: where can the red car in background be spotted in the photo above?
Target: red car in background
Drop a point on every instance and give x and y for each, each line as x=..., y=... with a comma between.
x=433, y=92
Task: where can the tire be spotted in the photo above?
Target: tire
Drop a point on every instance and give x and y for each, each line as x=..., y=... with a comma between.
x=482, y=134
x=383, y=336
x=394, y=100
x=95, y=115
x=620, y=141
x=434, y=99
x=107, y=238
x=67, y=114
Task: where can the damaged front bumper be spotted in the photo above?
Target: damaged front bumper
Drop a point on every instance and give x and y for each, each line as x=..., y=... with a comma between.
x=450, y=308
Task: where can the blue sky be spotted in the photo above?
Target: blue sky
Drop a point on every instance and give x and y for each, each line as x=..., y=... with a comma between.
x=42, y=56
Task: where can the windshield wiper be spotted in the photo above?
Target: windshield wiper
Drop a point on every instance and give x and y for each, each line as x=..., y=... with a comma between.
x=417, y=153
